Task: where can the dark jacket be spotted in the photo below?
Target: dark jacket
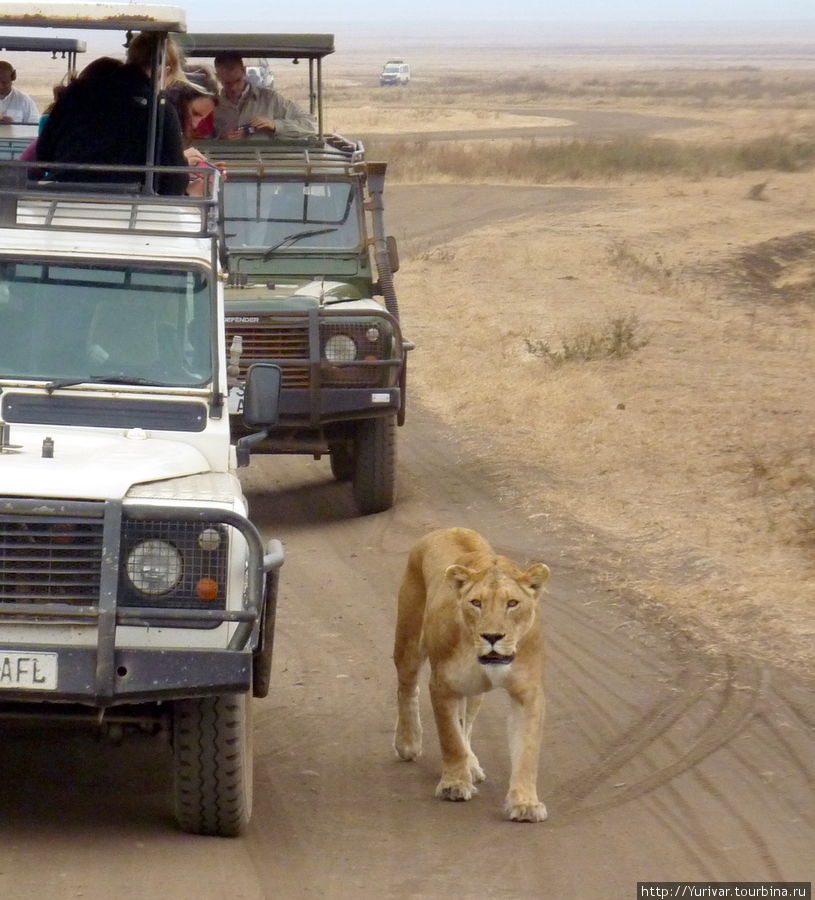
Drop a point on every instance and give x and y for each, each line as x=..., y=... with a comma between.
x=105, y=120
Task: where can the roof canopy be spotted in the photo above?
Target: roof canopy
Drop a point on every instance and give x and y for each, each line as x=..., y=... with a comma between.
x=265, y=46
x=41, y=44
x=109, y=16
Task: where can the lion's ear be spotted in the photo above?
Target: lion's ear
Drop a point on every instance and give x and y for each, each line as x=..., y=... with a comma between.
x=458, y=576
x=537, y=576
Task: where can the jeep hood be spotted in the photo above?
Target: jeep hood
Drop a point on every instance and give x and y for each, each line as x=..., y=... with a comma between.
x=294, y=287
x=243, y=308
x=103, y=469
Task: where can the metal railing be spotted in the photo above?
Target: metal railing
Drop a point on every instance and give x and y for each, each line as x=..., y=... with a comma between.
x=33, y=197
x=335, y=156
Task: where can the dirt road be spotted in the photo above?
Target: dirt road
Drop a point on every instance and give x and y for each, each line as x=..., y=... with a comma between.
x=584, y=125
x=659, y=762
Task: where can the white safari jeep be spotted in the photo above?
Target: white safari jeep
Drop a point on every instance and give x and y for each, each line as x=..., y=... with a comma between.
x=134, y=590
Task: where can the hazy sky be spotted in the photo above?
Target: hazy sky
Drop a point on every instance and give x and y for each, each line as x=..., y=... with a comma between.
x=262, y=16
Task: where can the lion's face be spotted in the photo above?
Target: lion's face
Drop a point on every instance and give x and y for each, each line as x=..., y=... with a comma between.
x=498, y=605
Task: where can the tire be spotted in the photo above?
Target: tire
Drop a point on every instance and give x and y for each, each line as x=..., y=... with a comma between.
x=374, y=481
x=212, y=763
x=342, y=462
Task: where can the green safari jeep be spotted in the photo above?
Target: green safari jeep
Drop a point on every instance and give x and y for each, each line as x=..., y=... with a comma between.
x=310, y=285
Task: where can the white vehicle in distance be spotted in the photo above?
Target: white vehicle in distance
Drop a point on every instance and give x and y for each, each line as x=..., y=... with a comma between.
x=395, y=72
x=135, y=593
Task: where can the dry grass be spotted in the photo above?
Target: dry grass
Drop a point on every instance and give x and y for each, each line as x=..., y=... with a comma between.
x=617, y=337
x=548, y=161
x=691, y=88
x=688, y=456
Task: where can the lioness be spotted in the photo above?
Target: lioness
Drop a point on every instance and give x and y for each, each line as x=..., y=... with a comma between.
x=476, y=617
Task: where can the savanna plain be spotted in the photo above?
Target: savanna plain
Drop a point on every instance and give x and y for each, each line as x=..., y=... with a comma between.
x=637, y=367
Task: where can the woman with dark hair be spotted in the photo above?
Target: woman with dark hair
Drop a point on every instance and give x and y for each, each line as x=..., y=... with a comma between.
x=194, y=104
x=103, y=118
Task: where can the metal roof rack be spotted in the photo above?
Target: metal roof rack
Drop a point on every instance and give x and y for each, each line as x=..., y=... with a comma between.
x=269, y=46
x=96, y=206
x=259, y=159
x=67, y=48
x=16, y=43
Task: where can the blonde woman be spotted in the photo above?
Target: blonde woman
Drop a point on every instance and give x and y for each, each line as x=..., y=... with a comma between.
x=140, y=53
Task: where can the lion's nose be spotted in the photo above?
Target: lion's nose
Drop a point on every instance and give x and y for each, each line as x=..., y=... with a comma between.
x=492, y=638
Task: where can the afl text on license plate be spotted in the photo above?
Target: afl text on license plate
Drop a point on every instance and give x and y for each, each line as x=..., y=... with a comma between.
x=28, y=671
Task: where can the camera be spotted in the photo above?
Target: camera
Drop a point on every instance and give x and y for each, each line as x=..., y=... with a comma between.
x=247, y=129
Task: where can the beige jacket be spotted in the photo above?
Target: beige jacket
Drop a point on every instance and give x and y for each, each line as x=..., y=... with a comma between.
x=290, y=120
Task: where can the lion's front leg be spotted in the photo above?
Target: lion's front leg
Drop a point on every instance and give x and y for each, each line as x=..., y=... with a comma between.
x=471, y=706
x=525, y=731
x=456, y=776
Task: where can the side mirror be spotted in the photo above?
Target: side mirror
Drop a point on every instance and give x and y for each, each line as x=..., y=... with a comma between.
x=393, y=253
x=261, y=398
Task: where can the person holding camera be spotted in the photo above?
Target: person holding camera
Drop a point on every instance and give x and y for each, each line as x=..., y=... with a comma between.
x=246, y=109
x=15, y=106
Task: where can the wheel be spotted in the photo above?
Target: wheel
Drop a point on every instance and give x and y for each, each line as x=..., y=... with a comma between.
x=374, y=481
x=212, y=762
x=342, y=462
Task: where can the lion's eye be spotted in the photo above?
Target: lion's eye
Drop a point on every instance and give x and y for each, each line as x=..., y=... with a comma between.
x=511, y=604
x=476, y=603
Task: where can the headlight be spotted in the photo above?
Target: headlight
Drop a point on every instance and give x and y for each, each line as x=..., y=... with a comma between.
x=340, y=347
x=154, y=567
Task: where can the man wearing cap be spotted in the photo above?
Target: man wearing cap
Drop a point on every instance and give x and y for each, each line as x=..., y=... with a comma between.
x=247, y=109
x=15, y=106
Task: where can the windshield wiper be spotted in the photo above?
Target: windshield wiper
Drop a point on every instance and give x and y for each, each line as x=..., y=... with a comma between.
x=114, y=378
x=297, y=236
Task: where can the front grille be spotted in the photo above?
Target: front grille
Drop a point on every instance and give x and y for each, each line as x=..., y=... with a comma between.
x=263, y=342
x=50, y=559
x=279, y=342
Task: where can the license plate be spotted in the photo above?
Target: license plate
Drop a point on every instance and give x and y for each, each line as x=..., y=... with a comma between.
x=235, y=402
x=28, y=671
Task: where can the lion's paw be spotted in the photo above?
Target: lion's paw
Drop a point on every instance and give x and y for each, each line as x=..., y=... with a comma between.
x=476, y=772
x=527, y=812
x=456, y=791
x=408, y=750
x=408, y=742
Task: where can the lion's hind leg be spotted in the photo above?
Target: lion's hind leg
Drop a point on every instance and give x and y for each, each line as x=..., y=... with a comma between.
x=408, y=658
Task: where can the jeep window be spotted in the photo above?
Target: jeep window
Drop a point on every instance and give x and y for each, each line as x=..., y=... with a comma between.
x=119, y=323
x=265, y=214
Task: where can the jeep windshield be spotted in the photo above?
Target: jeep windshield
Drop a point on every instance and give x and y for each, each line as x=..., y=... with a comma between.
x=120, y=323
x=291, y=215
